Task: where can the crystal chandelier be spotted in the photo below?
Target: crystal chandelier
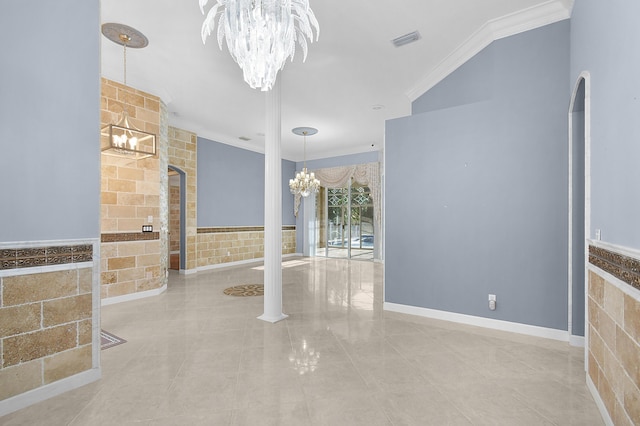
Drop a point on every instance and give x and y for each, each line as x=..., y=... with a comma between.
x=305, y=183
x=261, y=34
x=123, y=138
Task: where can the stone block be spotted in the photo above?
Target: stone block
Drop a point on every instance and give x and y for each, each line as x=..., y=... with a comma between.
x=120, y=288
x=85, y=280
x=118, y=263
x=67, y=364
x=628, y=352
x=110, y=277
x=128, y=173
x=22, y=289
x=85, y=332
x=121, y=212
x=131, y=248
x=20, y=378
x=19, y=319
x=118, y=185
x=130, y=274
x=131, y=199
x=632, y=317
x=61, y=311
x=109, y=198
x=30, y=346
x=596, y=288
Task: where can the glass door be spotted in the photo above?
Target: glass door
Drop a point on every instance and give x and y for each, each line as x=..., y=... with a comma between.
x=361, y=221
x=346, y=229
x=337, y=222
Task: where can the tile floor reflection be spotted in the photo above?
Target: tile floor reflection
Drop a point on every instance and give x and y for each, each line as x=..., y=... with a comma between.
x=197, y=357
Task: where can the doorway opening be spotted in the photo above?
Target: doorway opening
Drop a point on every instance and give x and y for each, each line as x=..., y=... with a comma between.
x=345, y=216
x=177, y=222
x=579, y=217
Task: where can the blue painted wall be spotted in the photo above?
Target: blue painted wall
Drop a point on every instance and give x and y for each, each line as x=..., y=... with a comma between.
x=604, y=41
x=50, y=115
x=486, y=150
x=231, y=186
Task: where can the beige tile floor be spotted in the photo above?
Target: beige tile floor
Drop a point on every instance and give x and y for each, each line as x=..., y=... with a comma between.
x=197, y=357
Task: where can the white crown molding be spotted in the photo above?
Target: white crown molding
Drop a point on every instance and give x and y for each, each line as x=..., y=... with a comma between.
x=528, y=19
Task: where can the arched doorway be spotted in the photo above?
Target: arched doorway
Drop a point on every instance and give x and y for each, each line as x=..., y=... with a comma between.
x=177, y=214
x=579, y=208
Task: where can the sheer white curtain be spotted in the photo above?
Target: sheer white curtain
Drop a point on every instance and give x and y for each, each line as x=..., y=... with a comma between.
x=363, y=174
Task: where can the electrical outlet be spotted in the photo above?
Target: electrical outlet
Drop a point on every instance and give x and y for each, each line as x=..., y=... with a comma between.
x=492, y=302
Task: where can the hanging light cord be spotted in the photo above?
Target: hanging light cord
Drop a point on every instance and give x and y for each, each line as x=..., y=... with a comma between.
x=125, y=39
x=304, y=134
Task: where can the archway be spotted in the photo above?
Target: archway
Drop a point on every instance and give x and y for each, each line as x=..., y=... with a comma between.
x=579, y=209
x=177, y=219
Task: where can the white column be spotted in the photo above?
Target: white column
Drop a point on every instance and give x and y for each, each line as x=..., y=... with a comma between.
x=273, y=211
x=309, y=231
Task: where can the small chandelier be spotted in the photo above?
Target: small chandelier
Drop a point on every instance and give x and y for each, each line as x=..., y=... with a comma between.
x=261, y=34
x=305, y=183
x=123, y=138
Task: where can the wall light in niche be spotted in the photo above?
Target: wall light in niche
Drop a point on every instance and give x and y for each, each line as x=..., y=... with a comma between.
x=147, y=228
x=123, y=139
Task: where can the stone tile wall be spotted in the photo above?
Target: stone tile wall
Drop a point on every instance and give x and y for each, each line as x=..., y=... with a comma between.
x=130, y=192
x=224, y=245
x=614, y=341
x=46, y=322
x=183, y=155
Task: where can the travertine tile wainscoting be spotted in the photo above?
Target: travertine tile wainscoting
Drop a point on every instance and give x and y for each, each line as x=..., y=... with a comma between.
x=220, y=245
x=614, y=331
x=49, y=320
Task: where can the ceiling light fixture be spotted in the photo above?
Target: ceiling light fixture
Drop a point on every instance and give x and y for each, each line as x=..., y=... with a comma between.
x=123, y=138
x=261, y=34
x=304, y=184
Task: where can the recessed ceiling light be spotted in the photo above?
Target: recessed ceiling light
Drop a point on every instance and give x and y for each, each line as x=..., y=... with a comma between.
x=406, y=39
x=377, y=107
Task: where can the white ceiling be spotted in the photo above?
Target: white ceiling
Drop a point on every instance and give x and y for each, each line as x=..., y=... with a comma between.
x=352, y=67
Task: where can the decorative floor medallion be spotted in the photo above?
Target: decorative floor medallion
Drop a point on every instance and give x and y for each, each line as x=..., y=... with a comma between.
x=245, y=290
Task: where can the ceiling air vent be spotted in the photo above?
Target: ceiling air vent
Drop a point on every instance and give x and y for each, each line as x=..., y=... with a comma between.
x=244, y=138
x=406, y=39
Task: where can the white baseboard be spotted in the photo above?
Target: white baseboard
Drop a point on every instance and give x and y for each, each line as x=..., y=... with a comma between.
x=531, y=330
x=188, y=271
x=34, y=396
x=242, y=262
x=133, y=296
x=599, y=402
x=577, y=341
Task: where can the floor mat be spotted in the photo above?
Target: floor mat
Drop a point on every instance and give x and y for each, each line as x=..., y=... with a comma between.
x=108, y=340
